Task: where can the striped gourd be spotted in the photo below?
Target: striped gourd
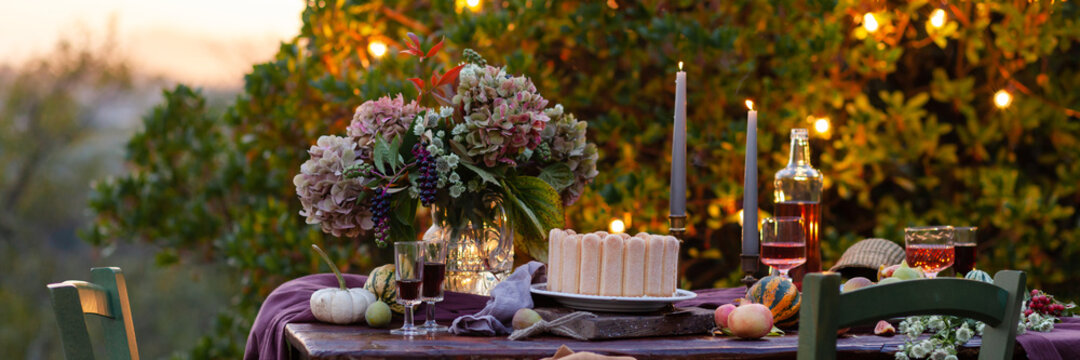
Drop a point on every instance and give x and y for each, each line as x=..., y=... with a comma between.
x=979, y=275
x=381, y=283
x=780, y=296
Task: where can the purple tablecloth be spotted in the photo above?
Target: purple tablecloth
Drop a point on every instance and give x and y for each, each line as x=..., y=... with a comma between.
x=289, y=304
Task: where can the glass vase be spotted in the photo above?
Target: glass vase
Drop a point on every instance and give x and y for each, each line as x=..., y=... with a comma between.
x=480, y=245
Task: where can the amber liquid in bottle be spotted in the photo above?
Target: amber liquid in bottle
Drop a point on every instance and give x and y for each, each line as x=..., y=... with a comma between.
x=810, y=211
x=798, y=193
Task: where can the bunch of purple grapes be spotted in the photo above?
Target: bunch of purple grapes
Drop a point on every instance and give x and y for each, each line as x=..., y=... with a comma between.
x=428, y=178
x=380, y=214
x=1043, y=304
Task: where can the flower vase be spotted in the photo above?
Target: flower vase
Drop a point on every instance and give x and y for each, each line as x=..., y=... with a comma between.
x=480, y=250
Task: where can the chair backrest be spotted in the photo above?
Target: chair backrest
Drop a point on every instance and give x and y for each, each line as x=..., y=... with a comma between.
x=825, y=310
x=106, y=296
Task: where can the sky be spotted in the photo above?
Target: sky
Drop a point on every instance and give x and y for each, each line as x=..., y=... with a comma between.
x=208, y=43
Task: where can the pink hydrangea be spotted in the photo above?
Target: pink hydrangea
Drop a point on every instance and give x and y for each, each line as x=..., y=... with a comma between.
x=387, y=117
x=503, y=115
x=328, y=197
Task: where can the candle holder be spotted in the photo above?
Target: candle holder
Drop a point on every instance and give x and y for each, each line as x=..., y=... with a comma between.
x=677, y=226
x=749, y=267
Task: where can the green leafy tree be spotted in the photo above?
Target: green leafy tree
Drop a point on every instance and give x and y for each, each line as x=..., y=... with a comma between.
x=914, y=139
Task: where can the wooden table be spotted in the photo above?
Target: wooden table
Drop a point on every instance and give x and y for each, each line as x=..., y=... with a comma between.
x=323, y=341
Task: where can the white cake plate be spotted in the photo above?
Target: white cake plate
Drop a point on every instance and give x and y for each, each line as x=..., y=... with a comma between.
x=619, y=304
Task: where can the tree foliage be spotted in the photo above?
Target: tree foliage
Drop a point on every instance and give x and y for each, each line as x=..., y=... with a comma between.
x=914, y=139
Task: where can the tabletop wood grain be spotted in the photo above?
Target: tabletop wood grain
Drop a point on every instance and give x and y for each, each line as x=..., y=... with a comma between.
x=324, y=341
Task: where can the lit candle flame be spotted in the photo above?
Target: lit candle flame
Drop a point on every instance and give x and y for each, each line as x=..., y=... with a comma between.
x=870, y=22
x=617, y=226
x=1002, y=98
x=937, y=18
x=750, y=104
x=680, y=66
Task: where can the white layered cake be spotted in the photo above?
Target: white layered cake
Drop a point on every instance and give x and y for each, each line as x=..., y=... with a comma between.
x=612, y=264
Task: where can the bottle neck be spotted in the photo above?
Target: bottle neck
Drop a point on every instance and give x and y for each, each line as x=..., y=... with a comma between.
x=800, y=152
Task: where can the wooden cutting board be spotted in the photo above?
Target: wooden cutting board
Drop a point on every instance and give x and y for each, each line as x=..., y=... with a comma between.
x=680, y=321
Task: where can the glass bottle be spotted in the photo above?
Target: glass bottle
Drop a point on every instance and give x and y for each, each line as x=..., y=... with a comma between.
x=798, y=193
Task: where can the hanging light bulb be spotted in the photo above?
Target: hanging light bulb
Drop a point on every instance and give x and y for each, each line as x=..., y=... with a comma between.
x=617, y=227
x=937, y=18
x=1002, y=98
x=821, y=125
x=473, y=5
x=869, y=22
x=377, y=48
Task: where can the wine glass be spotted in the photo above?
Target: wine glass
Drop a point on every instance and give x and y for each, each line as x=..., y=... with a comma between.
x=964, y=248
x=408, y=256
x=783, y=243
x=434, y=275
x=930, y=248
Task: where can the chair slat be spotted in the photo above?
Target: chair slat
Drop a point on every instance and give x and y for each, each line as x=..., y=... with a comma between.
x=93, y=298
x=106, y=296
x=980, y=301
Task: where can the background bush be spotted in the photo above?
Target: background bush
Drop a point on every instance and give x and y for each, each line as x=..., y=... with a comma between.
x=915, y=138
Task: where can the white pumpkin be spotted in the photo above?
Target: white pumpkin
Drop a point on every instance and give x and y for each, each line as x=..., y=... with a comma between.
x=340, y=306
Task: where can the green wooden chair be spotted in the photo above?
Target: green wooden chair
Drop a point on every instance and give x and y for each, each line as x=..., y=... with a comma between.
x=106, y=297
x=825, y=309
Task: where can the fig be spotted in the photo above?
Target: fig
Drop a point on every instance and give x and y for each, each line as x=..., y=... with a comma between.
x=377, y=314
x=856, y=283
x=750, y=321
x=884, y=328
x=525, y=317
x=886, y=271
x=721, y=315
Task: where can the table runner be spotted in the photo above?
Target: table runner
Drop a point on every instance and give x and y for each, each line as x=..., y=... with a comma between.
x=289, y=304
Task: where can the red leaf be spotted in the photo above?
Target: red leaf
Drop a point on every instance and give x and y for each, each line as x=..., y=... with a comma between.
x=418, y=83
x=435, y=79
x=435, y=49
x=450, y=75
x=411, y=52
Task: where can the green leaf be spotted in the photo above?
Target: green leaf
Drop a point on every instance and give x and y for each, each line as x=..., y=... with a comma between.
x=484, y=174
x=396, y=161
x=534, y=208
x=558, y=175
x=402, y=227
x=381, y=152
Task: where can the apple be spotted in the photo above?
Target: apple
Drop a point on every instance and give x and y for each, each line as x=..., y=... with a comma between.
x=721, y=315
x=886, y=271
x=750, y=321
x=856, y=283
x=525, y=317
x=907, y=273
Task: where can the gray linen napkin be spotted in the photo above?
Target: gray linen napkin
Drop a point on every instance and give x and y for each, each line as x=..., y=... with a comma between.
x=506, y=298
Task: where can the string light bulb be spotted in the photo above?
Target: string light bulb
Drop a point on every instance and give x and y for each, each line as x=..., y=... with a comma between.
x=1002, y=98
x=473, y=5
x=869, y=22
x=937, y=18
x=821, y=125
x=617, y=227
x=377, y=48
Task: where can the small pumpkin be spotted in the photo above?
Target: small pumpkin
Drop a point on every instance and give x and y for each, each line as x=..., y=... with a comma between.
x=780, y=296
x=339, y=305
x=979, y=275
x=381, y=283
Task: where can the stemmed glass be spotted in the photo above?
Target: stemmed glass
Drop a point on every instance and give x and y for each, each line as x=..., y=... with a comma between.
x=434, y=275
x=407, y=273
x=930, y=248
x=964, y=248
x=783, y=243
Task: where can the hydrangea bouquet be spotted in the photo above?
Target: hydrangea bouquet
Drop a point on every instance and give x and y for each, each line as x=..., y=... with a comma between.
x=487, y=134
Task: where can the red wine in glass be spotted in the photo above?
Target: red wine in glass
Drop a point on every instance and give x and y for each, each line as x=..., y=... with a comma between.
x=409, y=291
x=783, y=255
x=434, y=275
x=965, y=258
x=932, y=258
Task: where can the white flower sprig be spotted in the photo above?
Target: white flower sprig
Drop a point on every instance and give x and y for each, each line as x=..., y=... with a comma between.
x=948, y=333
